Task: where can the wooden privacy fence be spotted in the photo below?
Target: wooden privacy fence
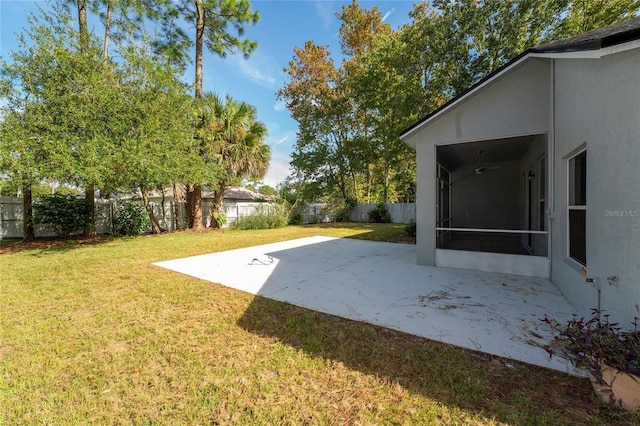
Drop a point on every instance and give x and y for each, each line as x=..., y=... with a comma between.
x=400, y=212
x=11, y=214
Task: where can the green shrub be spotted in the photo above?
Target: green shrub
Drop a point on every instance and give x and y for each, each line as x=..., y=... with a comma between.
x=410, y=228
x=295, y=211
x=219, y=220
x=344, y=211
x=342, y=216
x=338, y=208
x=262, y=218
x=380, y=214
x=130, y=219
x=66, y=214
x=296, y=219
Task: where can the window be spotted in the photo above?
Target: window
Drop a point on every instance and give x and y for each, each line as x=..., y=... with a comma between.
x=577, y=207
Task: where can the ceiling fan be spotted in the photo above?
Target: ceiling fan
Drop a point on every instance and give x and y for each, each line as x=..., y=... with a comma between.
x=480, y=169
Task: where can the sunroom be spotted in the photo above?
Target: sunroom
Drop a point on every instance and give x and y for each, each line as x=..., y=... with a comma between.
x=491, y=205
x=483, y=175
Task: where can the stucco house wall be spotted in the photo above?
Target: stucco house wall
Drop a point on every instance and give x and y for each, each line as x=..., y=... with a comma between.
x=597, y=104
x=511, y=105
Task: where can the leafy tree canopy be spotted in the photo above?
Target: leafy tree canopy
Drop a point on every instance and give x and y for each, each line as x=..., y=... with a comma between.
x=350, y=116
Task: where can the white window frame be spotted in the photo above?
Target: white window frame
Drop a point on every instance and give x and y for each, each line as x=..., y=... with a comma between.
x=573, y=207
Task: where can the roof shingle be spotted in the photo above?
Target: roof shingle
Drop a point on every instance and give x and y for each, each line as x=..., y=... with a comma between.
x=595, y=39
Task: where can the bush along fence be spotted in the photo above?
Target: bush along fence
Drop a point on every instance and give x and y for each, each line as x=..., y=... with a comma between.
x=113, y=216
x=118, y=216
x=400, y=212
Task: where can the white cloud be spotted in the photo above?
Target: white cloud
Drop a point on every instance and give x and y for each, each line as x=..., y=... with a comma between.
x=281, y=143
x=389, y=13
x=325, y=12
x=281, y=140
x=279, y=106
x=278, y=170
x=254, y=69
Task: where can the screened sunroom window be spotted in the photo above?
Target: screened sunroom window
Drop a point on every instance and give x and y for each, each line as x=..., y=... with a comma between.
x=577, y=207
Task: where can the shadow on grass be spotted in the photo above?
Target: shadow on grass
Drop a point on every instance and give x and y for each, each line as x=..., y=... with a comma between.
x=391, y=232
x=52, y=245
x=492, y=387
x=513, y=392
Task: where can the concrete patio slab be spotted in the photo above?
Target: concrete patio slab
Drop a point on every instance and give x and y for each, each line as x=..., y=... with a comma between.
x=380, y=283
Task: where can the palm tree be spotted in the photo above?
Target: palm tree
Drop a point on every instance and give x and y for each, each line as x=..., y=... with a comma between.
x=234, y=141
x=213, y=20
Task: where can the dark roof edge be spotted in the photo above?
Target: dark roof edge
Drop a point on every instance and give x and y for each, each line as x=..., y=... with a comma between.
x=615, y=39
x=574, y=47
x=591, y=40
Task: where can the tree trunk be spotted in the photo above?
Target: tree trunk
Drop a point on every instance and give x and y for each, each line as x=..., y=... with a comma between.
x=342, y=184
x=218, y=199
x=82, y=25
x=386, y=180
x=194, y=192
x=176, y=208
x=164, y=210
x=356, y=195
x=368, y=200
x=28, y=233
x=188, y=198
x=90, y=190
x=155, y=226
x=90, y=195
x=194, y=206
x=107, y=29
x=218, y=204
x=199, y=46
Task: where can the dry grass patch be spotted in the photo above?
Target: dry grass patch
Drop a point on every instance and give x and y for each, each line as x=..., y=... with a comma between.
x=94, y=334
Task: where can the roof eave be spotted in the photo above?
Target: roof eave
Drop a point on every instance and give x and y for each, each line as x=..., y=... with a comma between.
x=584, y=49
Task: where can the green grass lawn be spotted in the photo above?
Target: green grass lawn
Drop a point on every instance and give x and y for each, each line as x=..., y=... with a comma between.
x=93, y=333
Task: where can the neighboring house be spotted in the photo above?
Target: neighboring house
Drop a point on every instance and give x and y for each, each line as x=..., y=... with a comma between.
x=231, y=194
x=235, y=194
x=535, y=170
x=237, y=202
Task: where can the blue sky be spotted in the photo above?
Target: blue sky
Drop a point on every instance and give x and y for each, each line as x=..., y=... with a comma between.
x=284, y=24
